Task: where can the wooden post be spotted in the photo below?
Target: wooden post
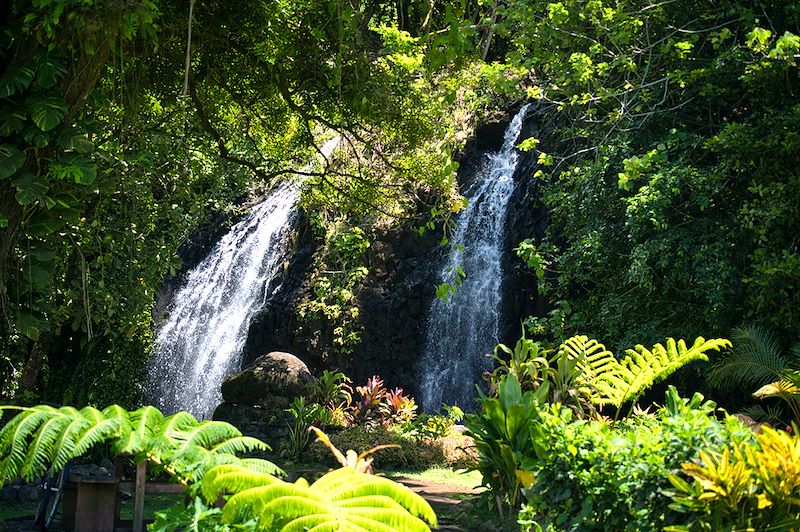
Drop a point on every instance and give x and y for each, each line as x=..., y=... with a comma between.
x=138, y=497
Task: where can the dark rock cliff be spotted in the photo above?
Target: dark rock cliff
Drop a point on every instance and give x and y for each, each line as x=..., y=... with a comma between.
x=395, y=298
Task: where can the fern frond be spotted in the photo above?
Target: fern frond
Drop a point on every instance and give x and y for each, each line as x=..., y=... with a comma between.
x=68, y=440
x=15, y=441
x=102, y=431
x=144, y=423
x=755, y=360
x=344, y=498
x=260, y=465
x=642, y=367
x=40, y=450
x=345, y=483
x=207, y=434
x=240, y=444
x=233, y=478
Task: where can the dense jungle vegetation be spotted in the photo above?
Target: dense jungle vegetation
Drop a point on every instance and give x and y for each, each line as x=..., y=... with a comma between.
x=668, y=167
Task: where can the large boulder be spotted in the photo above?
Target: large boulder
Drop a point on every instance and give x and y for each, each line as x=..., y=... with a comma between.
x=271, y=381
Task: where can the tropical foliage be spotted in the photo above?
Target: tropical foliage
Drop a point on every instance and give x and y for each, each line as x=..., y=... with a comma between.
x=595, y=475
x=42, y=437
x=582, y=372
x=669, y=176
x=203, y=456
x=758, y=360
x=342, y=499
x=752, y=487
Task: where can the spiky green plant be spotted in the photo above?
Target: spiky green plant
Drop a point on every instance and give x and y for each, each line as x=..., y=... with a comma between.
x=343, y=499
x=43, y=436
x=755, y=360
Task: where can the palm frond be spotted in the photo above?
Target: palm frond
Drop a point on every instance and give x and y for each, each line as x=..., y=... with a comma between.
x=755, y=359
x=757, y=412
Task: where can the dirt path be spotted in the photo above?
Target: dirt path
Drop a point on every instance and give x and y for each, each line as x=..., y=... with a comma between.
x=453, y=504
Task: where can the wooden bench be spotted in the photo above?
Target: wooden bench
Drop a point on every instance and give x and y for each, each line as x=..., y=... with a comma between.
x=92, y=503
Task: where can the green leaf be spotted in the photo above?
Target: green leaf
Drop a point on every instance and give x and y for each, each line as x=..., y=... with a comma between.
x=16, y=79
x=37, y=276
x=3, y=221
x=29, y=188
x=31, y=326
x=48, y=72
x=47, y=111
x=75, y=168
x=11, y=121
x=11, y=160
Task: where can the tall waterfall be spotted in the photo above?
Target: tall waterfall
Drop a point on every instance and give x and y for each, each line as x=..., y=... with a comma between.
x=462, y=331
x=202, y=341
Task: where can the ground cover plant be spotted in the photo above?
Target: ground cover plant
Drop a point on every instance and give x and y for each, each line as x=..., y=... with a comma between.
x=372, y=416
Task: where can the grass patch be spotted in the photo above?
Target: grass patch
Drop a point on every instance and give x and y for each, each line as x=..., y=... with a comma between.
x=442, y=475
x=16, y=509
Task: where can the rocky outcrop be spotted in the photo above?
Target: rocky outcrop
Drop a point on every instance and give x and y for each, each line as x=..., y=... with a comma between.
x=256, y=398
x=271, y=381
x=526, y=219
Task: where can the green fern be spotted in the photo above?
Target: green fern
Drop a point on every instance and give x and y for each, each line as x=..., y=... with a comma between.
x=42, y=436
x=642, y=368
x=617, y=382
x=340, y=500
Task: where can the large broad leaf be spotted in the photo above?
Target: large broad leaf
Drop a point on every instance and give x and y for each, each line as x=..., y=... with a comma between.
x=48, y=71
x=30, y=188
x=47, y=111
x=11, y=121
x=37, y=275
x=16, y=79
x=75, y=168
x=30, y=325
x=11, y=160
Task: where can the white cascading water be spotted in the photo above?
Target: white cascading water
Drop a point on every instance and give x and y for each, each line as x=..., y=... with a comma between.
x=201, y=342
x=463, y=330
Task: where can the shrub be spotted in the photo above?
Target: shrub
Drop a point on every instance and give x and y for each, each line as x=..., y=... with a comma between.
x=596, y=475
x=411, y=455
x=749, y=487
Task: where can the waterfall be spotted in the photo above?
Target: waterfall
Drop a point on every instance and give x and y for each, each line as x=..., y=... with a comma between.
x=463, y=330
x=202, y=340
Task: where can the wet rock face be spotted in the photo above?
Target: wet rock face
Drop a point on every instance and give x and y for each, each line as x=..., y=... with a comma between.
x=271, y=381
x=526, y=219
x=393, y=306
